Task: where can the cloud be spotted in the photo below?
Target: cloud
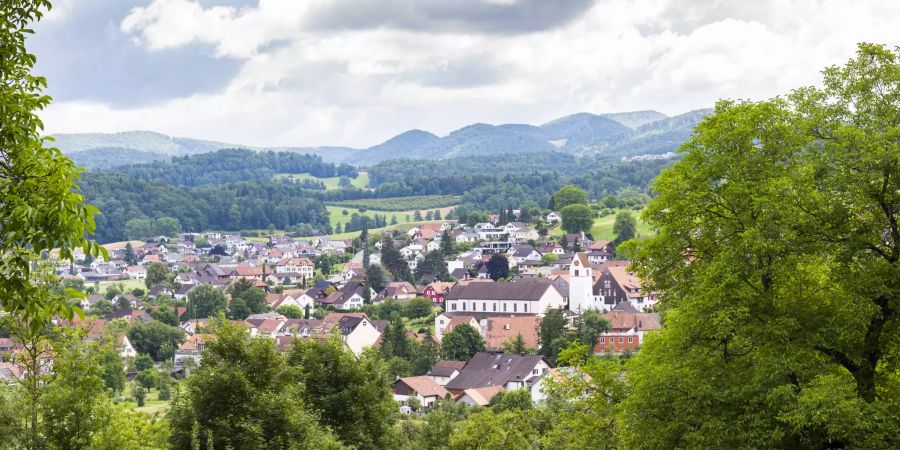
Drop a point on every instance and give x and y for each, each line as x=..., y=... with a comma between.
x=356, y=72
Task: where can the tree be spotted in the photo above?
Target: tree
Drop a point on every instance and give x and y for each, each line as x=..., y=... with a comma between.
x=205, y=301
x=427, y=354
x=156, y=339
x=394, y=341
x=789, y=204
x=290, y=311
x=515, y=346
x=519, y=399
x=255, y=299
x=577, y=218
x=353, y=397
x=102, y=308
x=142, y=362
x=462, y=343
x=498, y=267
x=625, y=227
x=157, y=273
x=364, y=241
x=393, y=261
x=417, y=216
x=147, y=378
x=590, y=326
x=113, y=369
x=417, y=308
x=551, y=332
x=243, y=396
x=129, y=257
x=139, y=394
x=434, y=264
x=569, y=195
x=446, y=243
x=376, y=278
x=72, y=403
x=509, y=429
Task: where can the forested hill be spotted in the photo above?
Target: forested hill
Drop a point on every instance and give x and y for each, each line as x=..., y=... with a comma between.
x=232, y=165
x=613, y=135
x=127, y=204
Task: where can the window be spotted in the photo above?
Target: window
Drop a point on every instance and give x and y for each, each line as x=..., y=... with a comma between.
x=484, y=306
x=602, y=340
x=474, y=306
x=495, y=307
x=453, y=306
x=534, y=372
x=576, y=272
x=525, y=308
x=606, y=284
x=621, y=339
x=504, y=307
x=630, y=339
x=515, y=307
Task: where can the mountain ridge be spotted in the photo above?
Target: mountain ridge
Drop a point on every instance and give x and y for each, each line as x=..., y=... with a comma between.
x=621, y=134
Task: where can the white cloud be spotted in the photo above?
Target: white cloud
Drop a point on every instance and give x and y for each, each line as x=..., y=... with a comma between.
x=302, y=83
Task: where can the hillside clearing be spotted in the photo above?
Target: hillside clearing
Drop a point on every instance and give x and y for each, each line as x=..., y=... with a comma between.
x=331, y=183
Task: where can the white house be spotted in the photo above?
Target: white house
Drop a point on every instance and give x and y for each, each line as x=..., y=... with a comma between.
x=358, y=333
x=136, y=272
x=553, y=217
x=521, y=297
x=299, y=266
x=423, y=388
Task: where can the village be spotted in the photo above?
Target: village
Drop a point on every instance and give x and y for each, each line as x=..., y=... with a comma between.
x=498, y=280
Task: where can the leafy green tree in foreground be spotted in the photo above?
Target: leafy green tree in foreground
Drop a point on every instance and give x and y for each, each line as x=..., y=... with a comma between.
x=42, y=209
x=778, y=262
x=352, y=396
x=243, y=396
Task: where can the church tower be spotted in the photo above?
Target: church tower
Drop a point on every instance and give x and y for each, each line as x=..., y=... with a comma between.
x=581, y=284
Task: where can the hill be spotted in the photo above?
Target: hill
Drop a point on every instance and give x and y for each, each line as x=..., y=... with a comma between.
x=615, y=135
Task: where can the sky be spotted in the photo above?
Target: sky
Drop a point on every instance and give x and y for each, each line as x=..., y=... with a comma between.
x=357, y=72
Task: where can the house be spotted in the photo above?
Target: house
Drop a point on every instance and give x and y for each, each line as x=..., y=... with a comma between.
x=445, y=370
x=294, y=297
x=11, y=372
x=524, y=253
x=158, y=290
x=423, y=388
x=190, y=349
x=351, y=296
x=446, y=322
x=617, y=284
x=268, y=326
x=136, y=272
x=489, y=369
x=499, y=330
x=506, y=298
x=553, y=217
x=397, y=290
x=303, y=267
x=627, y=328
x=123, y=345
x=357, y=331
x=479, y=396
x=247, y=272
x=436, y=292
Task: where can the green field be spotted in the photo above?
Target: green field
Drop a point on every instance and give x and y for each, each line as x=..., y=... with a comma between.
x=603, y=227
x=331, y=183
x=420, y=202
x=336, y=214
x=127, y=285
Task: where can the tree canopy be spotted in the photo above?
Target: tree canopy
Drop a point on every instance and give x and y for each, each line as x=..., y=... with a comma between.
x=778, y=266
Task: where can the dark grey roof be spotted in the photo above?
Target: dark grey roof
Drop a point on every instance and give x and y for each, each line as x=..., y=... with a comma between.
x=625, y=307
x=523, y=251
x=499, y=291
x=446, y=367
x=349, y=323
x=494, y=369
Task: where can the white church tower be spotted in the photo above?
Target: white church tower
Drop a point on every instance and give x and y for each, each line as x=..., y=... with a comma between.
x=581, y=284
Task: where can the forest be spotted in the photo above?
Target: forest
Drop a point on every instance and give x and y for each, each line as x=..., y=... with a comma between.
x=232, y=165
x=233, y=190
x=227, y=207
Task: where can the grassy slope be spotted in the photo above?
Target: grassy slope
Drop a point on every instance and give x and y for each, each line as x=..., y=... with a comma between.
x=331, y=183
x=602, y=229
x=335, y=214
